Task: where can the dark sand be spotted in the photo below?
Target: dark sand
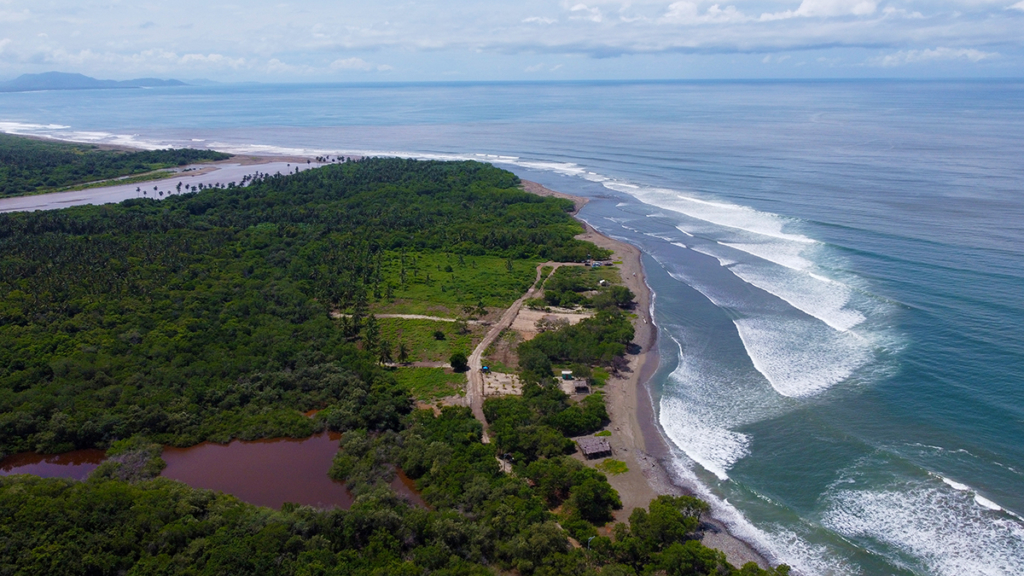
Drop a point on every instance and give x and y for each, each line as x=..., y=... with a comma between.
x=636, y=437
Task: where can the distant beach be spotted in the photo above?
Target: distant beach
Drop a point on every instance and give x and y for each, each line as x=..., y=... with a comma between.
x=215, y=174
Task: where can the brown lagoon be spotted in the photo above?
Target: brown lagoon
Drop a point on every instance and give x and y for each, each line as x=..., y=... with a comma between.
x=262, y=472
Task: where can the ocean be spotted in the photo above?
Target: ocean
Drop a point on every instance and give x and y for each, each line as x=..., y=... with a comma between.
x=837, y=268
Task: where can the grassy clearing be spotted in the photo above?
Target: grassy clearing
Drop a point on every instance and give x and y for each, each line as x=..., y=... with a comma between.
x=613, y=467
x=599, y=377
x=604, y=433
x=430, y=384
x=429, y=283
x=501, y=355
x=418, y=336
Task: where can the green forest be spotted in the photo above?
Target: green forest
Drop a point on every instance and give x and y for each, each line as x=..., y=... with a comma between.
x=29, y=166
x=208, y=316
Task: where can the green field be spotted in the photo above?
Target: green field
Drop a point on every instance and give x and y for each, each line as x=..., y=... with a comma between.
x=430, y=384
x=418, y=336
x=450, y=285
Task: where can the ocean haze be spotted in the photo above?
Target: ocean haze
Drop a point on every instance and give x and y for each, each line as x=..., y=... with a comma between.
x=837, y=267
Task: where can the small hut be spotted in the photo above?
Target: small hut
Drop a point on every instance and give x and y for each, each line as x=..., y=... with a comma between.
x=594, y=447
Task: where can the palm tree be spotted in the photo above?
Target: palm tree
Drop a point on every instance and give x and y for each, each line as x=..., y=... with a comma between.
x=384, y=352
x=403, y=353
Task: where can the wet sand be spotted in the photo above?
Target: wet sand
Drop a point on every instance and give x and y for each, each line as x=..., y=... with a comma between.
x=636, y=437
x=219, y=173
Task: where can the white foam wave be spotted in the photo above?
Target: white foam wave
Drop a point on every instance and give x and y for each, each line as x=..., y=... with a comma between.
x=713, y=447
x=955, y=485
x=27, y=128
x=944, y=529
x=723, y=214
x=786, y=254
x=978, y=498
x=986, y=503
x=658, y=236
x=679, y=244
x=723, y=261
x=825, y=301
x=800, y=357
x=776, y=543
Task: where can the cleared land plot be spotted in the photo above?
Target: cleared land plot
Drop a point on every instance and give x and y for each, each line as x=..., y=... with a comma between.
x=501, y=384
x=501, y=356
x=430, y=384
x=439, y=284
x=418, y=337
x=526, y=321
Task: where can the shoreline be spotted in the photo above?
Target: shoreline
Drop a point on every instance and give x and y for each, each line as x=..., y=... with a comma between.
x=636, y=435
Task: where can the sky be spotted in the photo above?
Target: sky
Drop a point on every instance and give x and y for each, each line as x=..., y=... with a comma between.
x=485, y=40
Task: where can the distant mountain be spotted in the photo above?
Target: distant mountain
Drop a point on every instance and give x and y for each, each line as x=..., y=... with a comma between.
x=63, y=81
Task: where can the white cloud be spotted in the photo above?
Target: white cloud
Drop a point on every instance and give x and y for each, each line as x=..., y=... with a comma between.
x=275, y=66
x=915, y=56
x=891, y=11
x=351, y=64
x=4, y=43
x=214, y=59
x=826, y=9
x=358, y=64
x=688, y=12
x=22, y=16
x=490, y=39
x=584, y=12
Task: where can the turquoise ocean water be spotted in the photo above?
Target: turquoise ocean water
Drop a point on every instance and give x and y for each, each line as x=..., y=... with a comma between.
x=838, y=271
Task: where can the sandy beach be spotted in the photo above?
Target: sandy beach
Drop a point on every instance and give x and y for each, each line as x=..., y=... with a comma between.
x=636, y=437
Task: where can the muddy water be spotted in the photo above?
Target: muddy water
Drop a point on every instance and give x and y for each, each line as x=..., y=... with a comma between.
x=263, y=472
x=77, y=465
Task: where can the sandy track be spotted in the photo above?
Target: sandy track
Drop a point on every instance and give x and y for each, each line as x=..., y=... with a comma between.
x=411, y=317
x=475, y=384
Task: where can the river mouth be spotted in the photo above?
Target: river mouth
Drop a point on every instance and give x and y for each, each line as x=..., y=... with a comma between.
x=262, y=472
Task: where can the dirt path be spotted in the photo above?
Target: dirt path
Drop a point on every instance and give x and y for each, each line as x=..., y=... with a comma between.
x=475, y=384
x=411, y=317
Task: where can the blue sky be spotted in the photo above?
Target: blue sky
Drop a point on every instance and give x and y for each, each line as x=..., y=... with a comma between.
x=385, y=40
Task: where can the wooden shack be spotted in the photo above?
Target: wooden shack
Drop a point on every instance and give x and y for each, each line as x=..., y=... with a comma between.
x=594, y=447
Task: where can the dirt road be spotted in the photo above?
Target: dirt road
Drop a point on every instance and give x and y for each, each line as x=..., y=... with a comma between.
x=475, y=385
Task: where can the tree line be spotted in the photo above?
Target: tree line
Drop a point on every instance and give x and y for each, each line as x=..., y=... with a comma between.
x=28, y=165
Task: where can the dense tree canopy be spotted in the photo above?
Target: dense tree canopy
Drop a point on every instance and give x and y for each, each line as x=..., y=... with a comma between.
x=206, y=315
